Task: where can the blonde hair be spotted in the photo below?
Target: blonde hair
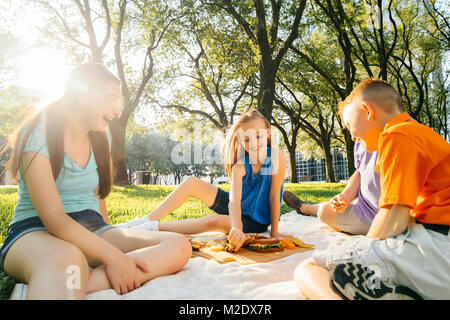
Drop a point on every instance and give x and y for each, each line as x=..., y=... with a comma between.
x=377, y=91
x=232, y=150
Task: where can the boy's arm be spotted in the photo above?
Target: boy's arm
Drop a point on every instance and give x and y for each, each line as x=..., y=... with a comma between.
x=279, y=166
x=351, y=190
x=389, y=222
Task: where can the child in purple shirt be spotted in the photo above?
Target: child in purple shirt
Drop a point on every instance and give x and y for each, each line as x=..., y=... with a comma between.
x=352, y=210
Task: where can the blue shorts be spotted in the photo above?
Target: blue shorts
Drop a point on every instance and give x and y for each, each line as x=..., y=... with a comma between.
x=91, y=220
x=220, y=206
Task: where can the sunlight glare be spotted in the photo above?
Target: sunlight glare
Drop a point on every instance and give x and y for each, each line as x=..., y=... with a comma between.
x=44, y=71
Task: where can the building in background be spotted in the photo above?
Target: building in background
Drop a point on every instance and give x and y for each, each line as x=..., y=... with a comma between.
x=315, y=170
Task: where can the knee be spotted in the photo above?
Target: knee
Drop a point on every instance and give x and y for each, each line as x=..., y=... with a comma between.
x=301, y=273
x=181, y=247
x=323, y=212
x=68, y=258
x=190, y=180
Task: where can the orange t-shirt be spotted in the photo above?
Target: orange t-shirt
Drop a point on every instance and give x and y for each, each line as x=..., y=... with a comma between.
x=414, y=167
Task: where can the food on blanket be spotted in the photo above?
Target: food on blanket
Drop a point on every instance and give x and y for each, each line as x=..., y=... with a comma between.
x=288, y=244
x=265, y=248
x=230, y=247
x=217, y=248
x=263, y=244
x=299, y=243
x=228, y=259
x=197, y=245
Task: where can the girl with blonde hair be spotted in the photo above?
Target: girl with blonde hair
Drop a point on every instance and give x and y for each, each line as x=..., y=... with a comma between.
x=61, y=159
x=256, y=173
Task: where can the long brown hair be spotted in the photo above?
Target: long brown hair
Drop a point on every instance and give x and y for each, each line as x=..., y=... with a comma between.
x=85, y=78
x=232, y=147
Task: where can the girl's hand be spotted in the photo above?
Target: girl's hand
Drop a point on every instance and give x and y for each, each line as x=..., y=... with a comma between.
x=122, y=272
x=339, y=203
x=280, y=235
x=237, y=238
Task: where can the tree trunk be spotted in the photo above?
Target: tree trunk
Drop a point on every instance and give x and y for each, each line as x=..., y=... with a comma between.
x=329, y=162
x=118, y=153
x=349, y=146
x=267, y=91
x=294, y=176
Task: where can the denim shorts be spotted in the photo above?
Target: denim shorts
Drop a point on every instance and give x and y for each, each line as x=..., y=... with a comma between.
x=220, y=206
x=91, y=220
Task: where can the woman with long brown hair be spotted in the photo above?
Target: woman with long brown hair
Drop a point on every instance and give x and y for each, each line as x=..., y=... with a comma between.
x=256, y=172
x=61, y=160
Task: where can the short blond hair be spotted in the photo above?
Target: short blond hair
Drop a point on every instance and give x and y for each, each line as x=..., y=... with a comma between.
x=378, y=91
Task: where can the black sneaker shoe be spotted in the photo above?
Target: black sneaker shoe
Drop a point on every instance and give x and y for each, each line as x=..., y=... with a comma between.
x=293, y=201
x=356, y=282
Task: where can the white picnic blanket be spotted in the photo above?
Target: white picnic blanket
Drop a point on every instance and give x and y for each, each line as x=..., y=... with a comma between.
x=207, y=279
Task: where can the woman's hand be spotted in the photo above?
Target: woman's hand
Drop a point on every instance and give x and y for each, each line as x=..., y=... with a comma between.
x=236, y=238
x=339, y=203
x=122, y=271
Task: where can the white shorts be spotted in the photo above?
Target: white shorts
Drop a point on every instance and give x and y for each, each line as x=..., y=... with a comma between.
x=418, y=259
x=349, y=221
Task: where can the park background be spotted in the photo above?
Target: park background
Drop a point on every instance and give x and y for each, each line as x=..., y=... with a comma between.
x=189, y=68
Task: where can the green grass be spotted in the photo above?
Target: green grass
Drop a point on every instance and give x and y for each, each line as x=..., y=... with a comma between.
x=128, y=202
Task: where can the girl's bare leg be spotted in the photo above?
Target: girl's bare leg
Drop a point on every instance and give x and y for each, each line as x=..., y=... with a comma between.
x=190, y=187
x=47, y=263
x=214, y=222
x=313, y=281
x=165, y=253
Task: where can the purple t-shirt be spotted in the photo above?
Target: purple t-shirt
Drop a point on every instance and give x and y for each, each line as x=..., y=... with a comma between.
x=367, y=206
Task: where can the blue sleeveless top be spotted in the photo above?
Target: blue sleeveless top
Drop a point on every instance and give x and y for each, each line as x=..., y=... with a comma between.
x=255, y=202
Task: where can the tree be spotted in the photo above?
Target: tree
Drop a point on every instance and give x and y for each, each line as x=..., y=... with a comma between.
x=264, y=35
x=123, y=24
x=213, y=60
x=308, y=110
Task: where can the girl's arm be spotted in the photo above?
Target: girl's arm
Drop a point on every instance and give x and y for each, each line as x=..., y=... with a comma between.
x=279, y=170
x=103, y=210
x=236, y=234
x=121, y=269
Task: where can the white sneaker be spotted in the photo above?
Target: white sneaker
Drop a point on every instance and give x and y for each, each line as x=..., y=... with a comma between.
x=19, y=292
x=136, y=222
x=151, y=226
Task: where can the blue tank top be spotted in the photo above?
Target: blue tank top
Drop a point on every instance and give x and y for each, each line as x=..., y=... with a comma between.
x=255, y=202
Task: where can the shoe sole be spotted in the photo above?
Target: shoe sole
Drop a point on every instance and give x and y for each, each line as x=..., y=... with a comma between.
x=346, y=286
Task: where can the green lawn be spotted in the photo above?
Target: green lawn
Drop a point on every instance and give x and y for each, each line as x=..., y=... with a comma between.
x=126, y=203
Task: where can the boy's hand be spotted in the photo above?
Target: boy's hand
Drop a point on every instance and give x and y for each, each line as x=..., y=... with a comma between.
x=338, y=203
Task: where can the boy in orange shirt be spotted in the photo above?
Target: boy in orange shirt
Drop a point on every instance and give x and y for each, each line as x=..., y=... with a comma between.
x=406, y=253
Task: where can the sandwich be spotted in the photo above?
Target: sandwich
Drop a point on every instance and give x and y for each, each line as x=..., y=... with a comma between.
x=257, y=243
x=264, y=244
